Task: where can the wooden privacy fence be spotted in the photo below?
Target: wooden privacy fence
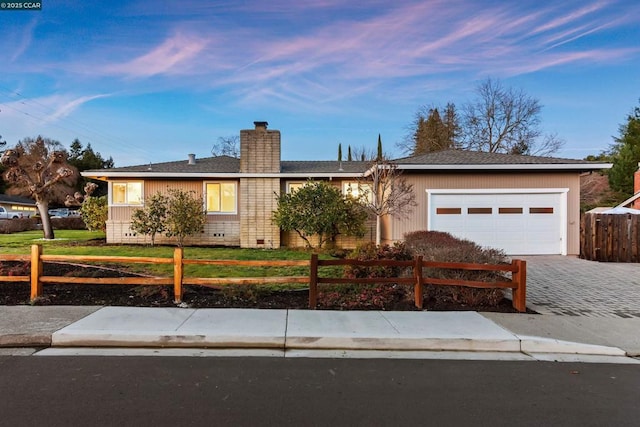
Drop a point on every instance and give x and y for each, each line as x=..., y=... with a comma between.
x=517, y=268
x=610, y=237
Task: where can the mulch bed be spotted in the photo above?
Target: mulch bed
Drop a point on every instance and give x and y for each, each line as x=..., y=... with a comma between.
x=384, y=297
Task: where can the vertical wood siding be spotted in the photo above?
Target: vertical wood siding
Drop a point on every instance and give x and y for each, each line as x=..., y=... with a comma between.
x=421, y=183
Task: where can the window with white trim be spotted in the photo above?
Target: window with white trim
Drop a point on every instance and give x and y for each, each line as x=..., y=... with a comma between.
x=126, y=193
x=356, y=190
x=221, y=197
x=295, y=186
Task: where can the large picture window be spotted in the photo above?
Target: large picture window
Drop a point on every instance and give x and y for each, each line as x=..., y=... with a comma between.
x=221, y=197
x=126, y=193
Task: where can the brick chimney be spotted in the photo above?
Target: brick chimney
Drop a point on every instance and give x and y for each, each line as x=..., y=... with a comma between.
x=259, y=154
x=260, y=149
x=636, y=188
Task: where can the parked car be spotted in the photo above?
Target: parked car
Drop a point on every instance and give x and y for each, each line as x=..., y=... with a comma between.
x=63, y=213
x=7, y=214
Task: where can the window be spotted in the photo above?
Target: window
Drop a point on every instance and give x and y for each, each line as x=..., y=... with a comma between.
x=448, y=211
x=357, y=190
x=540, y=210
x=509, y=210
x=221, y=197
x=126, y=193
x=479, y=211
x=294, y=186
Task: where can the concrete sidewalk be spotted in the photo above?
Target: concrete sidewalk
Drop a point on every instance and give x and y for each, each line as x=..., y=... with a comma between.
x=302, y=332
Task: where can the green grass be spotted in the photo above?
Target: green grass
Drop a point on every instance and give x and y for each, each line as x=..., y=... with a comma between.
x=17, y=243
x=87, y=243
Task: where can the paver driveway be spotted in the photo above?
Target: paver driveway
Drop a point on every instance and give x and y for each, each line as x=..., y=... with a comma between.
x=570, y=286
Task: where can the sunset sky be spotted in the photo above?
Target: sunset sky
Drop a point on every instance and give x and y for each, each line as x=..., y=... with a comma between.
x=151, y=81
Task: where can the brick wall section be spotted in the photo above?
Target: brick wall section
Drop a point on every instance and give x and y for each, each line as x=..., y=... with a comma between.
x=219, y=233
x=259, y=154
x=256, y=227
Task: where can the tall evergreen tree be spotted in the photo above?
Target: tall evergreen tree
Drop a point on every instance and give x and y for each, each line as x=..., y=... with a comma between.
x=379, y=156
x=625, y=153
x=433, y=133
x=339, y=152
x=85, y=159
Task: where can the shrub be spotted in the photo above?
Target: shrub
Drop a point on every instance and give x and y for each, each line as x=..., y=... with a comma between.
x=443, y=247
x=8, y=226
x=369, y=252
x=68, y=223
x=387, y=296
x=94, y=212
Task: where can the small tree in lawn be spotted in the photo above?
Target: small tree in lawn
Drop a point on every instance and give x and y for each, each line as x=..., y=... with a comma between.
x=38, y=168
x=94, y=213
x=319, y=209
x=185, y=215
x=383, y=191
x=150, y=220
x=93, y=210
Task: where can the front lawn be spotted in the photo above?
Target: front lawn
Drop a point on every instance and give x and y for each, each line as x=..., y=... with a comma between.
x=87, y=243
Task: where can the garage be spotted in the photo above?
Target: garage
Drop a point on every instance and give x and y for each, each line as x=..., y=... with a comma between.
x=520, y=222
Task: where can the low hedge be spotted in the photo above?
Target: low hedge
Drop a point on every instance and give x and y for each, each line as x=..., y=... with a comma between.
x=8, y=226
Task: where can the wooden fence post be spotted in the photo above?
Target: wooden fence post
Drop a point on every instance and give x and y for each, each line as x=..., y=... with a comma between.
x=36, y=271
x=519, y=277
x=418, y=287
x=313, y=281
x=178, y=274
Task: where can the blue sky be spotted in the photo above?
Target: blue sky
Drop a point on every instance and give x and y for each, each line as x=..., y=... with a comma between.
x=151, y=81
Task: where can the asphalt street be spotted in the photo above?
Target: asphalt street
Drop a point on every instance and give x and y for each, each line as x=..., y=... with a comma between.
x=141, y=391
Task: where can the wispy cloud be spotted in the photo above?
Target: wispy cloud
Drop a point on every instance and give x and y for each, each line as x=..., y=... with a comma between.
x=310, y=60
x=25, y=40
x=173, y=56
x=63, y=107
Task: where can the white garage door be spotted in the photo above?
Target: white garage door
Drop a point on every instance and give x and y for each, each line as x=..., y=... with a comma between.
x=520, y=223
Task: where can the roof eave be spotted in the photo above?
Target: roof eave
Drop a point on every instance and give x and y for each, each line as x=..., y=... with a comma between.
x=170, y=175
x=545, y=166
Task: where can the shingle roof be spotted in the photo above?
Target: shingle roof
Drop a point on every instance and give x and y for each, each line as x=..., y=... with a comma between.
x=221, y=164
x=321, y=166
x=230, y=165
x=440, y=160
x=463, y=157
x=5, y=198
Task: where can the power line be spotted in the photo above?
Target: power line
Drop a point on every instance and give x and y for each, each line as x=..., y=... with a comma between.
x=42, y=111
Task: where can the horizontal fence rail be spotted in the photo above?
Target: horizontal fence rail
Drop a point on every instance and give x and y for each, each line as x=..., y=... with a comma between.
x=517, y=268
x=517, y=284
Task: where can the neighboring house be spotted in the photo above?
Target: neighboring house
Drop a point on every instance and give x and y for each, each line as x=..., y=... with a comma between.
x=522, y=204
x=16, y=203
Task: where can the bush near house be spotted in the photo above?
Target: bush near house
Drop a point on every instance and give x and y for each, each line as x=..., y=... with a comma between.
x=443, y=247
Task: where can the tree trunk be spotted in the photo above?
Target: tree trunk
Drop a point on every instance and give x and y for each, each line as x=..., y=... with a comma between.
x=47, y=228
x=378, y=232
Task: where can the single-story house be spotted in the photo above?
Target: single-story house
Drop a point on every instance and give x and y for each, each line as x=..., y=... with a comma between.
x=17, y=203
x=522, y=204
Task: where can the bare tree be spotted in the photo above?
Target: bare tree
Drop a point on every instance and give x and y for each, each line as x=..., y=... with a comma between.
x=38, y=168
x=362, y=153
x=505, y=120
x=384, y=191
x=227, y=146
